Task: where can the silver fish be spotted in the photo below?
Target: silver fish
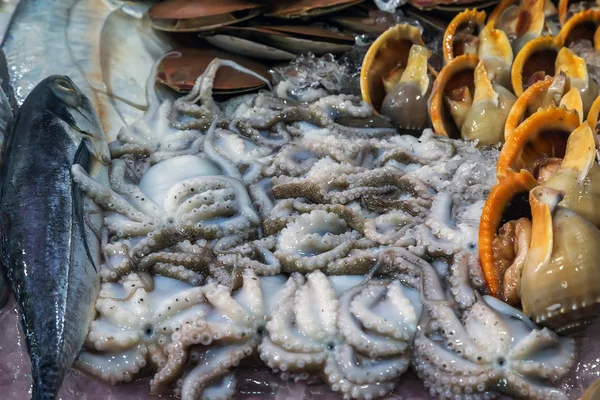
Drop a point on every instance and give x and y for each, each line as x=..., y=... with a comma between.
x=50, y=252
x=6, y=123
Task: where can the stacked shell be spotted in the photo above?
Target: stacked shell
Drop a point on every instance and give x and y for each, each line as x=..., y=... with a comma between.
x=539, y=227
x=481, y=93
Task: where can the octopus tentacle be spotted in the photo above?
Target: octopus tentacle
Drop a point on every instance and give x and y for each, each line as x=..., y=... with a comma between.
x=315, y=308
x=350, y=390
x=459, y=281
x=368, y=342
x=385, y=369
x=113, y=367
x=214, y=363
x=105, y=197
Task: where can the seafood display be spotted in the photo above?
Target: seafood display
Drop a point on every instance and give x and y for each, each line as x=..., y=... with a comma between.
x=321, y=193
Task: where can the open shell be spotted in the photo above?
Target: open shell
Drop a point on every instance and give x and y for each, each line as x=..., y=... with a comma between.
x=582, y=25
x=539, y=55
x=180, y=73
x=496, y=53
x=200, y=15
x=552, y=91
x=543, y=134
x=507, y=201
x=593, y=114
x=578, y=177
x=560, y=283
x=491, y=104
x=455, y=78
x=388, y=55
x=307, y=8
x=461, y=35
x=522, y=21
x=576, y=69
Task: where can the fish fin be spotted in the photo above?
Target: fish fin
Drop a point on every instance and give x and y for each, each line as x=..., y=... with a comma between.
x=82, y=157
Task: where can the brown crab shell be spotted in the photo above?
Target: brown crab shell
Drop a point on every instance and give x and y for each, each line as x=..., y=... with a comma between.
x=386, y=56
x=200, y=15
x=582, y=25
x=536, y=56
x=506, y=202
x=307, y=8
x=180, y=73
x=457, y=74
x=543, y=134
x=452, y=45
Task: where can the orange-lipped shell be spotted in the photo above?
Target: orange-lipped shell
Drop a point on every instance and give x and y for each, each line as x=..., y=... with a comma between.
x=593, y=114
x=539, y=55
x=582, y=25
x=497, y=15
x=307, y=8
x=461, y=35
x=507, y=201
x=455, y=76
x=563, y=9
x=180, y=73
x=200, y=15
x=543, y=134
x=545, y=93
x=387, y=56
x=522, y=22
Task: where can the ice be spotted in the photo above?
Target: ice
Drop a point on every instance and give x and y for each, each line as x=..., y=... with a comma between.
x=308, y=77
x=587, y=368
x=584, y=49
x=389, y=5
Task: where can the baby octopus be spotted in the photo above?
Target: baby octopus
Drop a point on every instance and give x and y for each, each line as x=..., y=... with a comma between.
x=170, y=325
x=164, y=220
x=358, y=339
x=489, y=348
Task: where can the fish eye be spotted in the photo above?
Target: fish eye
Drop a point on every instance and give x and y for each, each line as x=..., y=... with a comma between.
x=64, y=84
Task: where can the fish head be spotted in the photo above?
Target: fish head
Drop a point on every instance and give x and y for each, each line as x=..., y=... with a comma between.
x=69, y=104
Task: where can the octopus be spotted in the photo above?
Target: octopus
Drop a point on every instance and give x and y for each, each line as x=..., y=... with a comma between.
x=169, y=325
x=490, y=348
x=304, y=233
x=359, y=340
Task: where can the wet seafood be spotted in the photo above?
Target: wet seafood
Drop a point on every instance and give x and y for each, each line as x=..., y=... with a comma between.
x=452, y=95
x=488, y=112
x=493, y=348
x=387, y=80
x=462, y=34
x=207, y=202
x=52, y=259
x=196, y=16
